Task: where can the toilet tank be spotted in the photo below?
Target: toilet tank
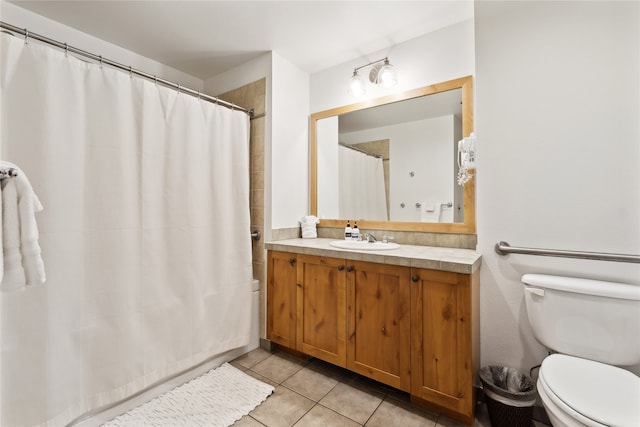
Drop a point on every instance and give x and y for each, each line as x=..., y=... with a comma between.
x=591, y=319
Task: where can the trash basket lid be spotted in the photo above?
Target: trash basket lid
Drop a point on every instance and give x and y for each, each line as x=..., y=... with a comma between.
x=603, y=393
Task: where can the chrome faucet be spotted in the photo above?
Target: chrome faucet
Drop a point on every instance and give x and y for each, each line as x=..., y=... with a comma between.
x=370, y=238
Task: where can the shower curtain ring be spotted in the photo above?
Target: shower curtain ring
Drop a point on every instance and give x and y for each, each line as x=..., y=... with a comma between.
x=101, y=61
x=155, y=79
x=130, y=72
x=66, y=49
x=26, y=36
x=178, y=88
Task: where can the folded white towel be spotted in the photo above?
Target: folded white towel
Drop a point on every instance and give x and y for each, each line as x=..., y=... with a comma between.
x=22, y=260
x=308, y=226
x=430, y=212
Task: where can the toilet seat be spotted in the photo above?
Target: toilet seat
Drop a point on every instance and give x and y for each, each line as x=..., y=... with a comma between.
x=593, y=393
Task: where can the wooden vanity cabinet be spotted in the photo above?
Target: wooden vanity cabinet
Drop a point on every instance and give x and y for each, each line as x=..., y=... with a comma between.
x=378, y=322
x=413, y=329
x=282, y=282
x=306, y=305
x=444, y=349
x=321, y=308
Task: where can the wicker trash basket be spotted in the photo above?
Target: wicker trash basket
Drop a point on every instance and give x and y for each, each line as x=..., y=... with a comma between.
x=510, y=396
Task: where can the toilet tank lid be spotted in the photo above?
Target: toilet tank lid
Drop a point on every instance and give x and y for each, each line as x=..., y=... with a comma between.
x=584, y=286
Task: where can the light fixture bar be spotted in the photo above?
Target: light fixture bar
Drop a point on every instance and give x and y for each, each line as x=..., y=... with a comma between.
x=371, y=63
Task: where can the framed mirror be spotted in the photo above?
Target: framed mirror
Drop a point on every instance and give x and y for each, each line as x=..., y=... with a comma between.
x=391, y=163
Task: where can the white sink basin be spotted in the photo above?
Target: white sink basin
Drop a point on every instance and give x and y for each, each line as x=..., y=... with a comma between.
x=363, y=245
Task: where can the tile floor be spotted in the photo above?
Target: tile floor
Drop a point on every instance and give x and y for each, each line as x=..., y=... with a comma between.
x=317, y=394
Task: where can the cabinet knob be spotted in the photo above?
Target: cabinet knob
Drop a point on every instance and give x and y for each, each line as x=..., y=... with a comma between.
x=415, y=278
x=341, y=267
x=349, y=269
x=292, y=261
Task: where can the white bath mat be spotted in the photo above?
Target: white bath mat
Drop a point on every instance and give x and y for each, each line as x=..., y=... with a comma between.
x=215, y=399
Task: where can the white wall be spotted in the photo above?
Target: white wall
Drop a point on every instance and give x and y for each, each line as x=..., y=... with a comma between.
x=557, y=122
x=328, y=161
x=290, y=144
x=286, y=134
x=22, y=18
x=246, y=73
x=443, y=55
x=417, y=147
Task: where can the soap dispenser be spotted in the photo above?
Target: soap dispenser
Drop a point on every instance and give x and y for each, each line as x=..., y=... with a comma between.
x=347, y=231
x=355, y=233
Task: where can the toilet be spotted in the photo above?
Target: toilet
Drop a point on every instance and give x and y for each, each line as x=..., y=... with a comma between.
x=593, y=329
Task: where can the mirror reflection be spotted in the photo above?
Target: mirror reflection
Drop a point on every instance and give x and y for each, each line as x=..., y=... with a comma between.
x=391, y=163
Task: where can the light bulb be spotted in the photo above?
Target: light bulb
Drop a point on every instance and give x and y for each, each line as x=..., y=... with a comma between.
x=356, y=85
x=387, y=76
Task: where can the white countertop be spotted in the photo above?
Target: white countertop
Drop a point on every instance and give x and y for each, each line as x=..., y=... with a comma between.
x=437, y=258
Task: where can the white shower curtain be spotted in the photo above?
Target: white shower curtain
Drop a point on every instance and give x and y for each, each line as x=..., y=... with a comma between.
x=362, y=189
x=144, y=234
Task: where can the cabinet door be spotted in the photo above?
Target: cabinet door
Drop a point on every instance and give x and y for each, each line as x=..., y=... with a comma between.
x=441, y=356
x=321, y=329
x=281, y=298
x=378, y=331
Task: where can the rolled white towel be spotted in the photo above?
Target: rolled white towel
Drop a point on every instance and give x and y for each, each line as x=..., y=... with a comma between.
x=13, y=277
x=21, y=253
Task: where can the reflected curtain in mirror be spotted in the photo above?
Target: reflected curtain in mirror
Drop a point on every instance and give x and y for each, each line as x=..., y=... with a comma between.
x=361, y=189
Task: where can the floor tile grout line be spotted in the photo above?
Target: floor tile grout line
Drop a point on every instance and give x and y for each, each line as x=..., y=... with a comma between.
x=307, y=397
x=342, y=415
x=374, y=411
x=303, y=415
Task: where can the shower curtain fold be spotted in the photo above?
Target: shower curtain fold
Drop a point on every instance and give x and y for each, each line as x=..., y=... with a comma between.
x=362, y=191
x=147, y=191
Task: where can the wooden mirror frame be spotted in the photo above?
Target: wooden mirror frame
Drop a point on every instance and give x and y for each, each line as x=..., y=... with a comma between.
x=466, y=227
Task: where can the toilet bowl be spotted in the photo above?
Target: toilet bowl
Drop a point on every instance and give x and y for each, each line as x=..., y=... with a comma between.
x=580, y=392
x=594, y=328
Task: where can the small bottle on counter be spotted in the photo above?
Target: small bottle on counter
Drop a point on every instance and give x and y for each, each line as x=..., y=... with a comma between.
x=347, y=231
x=355, y=233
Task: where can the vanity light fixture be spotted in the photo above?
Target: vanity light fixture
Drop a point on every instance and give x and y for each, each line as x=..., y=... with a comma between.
x=382, y=73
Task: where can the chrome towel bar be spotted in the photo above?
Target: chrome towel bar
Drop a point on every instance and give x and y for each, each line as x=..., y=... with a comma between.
x=503, y=248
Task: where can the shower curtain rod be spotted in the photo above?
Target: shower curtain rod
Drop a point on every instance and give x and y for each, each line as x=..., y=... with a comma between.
x=101, y=60
x=359, y=150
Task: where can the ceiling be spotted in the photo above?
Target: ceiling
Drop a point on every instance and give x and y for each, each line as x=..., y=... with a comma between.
x=206, y=38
